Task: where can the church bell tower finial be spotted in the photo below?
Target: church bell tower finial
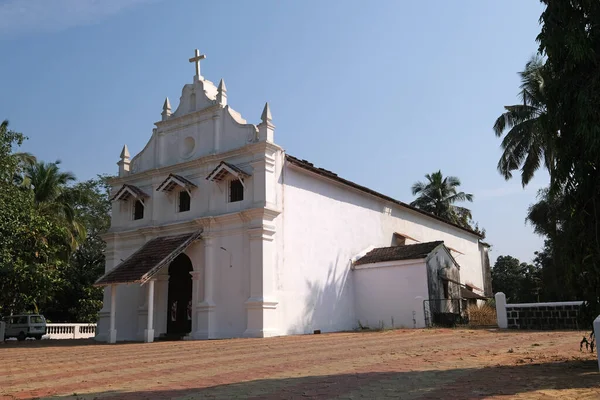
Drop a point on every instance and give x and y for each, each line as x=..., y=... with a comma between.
x=124, y=162
x=222, y=93
x=266, y=129
x=166, y=112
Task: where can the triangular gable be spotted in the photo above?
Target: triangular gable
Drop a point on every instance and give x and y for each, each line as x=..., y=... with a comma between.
x=128, y=191
x=224, y=169
x=173, y=181
x=146, y=262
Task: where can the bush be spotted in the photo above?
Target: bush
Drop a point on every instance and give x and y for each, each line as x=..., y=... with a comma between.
x=482, y=315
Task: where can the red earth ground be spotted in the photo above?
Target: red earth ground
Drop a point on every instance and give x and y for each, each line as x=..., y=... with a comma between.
x=401, y=364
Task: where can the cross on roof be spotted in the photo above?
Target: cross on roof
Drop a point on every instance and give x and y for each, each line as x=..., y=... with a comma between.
x=196, y=59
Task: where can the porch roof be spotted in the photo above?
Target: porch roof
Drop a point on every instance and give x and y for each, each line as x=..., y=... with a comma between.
x=149, y=259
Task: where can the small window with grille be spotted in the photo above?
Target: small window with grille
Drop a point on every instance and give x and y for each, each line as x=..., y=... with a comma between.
x=236, y=191
x=138, y=210
x=184, y=201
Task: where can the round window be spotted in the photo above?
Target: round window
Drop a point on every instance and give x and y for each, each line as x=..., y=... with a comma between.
x=188, y=146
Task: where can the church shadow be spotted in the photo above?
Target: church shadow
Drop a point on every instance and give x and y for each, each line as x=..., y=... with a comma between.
x=329, y=303
x=466, y=383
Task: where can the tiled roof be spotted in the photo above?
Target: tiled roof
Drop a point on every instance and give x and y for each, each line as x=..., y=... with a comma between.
x=396, y=253
x=219, y=172
x=149, y=259
x=468, y=294
x=126, y=190
x=331, y=175
x=172, y=180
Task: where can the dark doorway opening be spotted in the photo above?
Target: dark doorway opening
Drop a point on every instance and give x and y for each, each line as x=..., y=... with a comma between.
x=179, y=313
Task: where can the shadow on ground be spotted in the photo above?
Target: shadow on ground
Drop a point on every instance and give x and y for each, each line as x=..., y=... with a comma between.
x=571, y=379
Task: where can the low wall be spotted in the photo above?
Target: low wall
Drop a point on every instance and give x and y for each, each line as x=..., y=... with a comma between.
x=70, y=331
x=540, y=316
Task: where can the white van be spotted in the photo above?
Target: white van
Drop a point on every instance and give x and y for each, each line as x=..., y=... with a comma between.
x=24, y=326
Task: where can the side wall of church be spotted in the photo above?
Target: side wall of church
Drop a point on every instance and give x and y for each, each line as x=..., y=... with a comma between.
x=325, y=225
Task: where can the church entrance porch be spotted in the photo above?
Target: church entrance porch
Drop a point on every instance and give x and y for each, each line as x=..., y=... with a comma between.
x=179, y=318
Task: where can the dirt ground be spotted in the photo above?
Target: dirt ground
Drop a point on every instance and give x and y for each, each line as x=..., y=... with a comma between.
x=401, y=364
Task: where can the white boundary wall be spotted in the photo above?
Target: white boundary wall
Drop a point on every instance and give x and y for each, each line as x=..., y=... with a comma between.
x=70, y=331
x=501, y=307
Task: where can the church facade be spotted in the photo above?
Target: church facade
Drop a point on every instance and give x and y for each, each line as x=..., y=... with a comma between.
x=217, y=232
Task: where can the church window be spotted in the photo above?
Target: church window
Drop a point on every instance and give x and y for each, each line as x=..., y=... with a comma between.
x=236, y=191
x=446, y=289
x=138, y=210
x=184, y=201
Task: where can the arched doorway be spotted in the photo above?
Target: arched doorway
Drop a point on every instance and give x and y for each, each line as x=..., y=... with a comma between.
x=179, y=313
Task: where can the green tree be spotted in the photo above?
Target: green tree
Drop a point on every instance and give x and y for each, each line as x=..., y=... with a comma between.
x=570, y=39
x=30, y=244
x=520, y=282
x=528, y=140
x=53, y=198
x=77, y=299
x=438, y=196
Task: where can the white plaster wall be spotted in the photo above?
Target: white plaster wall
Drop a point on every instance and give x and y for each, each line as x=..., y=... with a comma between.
x=232, y=287
x=325, y=224
x=383, y=293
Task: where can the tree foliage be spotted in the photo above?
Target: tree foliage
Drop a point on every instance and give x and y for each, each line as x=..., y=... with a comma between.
x=51, y=250
x=438, y=196
x=528, y=141
x=520, y=282
x=570, y=39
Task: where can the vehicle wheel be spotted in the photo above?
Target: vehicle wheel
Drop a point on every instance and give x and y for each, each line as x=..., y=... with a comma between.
x=38, y=337
x=21, y=336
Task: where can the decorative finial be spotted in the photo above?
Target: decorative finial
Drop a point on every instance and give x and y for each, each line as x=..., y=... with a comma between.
x=196, y=59
x=222, y=87
x=166, y=112
x=125, y=153
x=124, y=162
x=266, y=114
x=266, y=127
x=222, y=93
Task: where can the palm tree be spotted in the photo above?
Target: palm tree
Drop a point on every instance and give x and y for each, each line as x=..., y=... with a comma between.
x=438, y=195
x=528, y=141
x=52, y=197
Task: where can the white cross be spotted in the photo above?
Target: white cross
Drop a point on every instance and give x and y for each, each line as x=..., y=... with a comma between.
x=196, y=60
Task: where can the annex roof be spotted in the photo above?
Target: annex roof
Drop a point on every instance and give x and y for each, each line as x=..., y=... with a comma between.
x=128, y=191
x=397, y=253
x=331, y=175
x=175, y=180
x=149, y=259
x=468, y=294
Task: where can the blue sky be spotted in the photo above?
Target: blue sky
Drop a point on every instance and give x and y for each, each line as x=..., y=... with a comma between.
x=381, y=92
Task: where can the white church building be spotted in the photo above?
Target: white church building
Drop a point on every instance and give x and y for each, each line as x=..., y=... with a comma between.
x=217, y=232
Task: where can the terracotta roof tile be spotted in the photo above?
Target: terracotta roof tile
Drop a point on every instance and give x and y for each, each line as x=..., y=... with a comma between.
x=396, y=253
x=146, y=261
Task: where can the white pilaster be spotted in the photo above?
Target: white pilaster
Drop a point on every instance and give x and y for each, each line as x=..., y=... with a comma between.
x=149, y=332
x=196, y=283
x=112, y=332
x=217, y=131
x=597, y=335
x=501, y=310
x=205, y=311
x=261, y=306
